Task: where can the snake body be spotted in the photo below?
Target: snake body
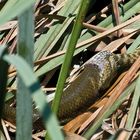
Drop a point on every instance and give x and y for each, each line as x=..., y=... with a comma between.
x=97, y=74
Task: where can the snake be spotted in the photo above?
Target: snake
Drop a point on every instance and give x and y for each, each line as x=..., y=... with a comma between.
x=95, y=75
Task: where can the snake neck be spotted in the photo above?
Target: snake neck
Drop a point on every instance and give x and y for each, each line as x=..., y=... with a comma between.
x=124, y=61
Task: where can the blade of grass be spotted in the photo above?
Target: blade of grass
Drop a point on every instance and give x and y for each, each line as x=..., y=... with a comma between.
x=134, y=45
x=116, y=15
x=133, y=107
x=23, y=98
x=68, y=57
x=3, y=78
x=19, y=6
x=32, y=85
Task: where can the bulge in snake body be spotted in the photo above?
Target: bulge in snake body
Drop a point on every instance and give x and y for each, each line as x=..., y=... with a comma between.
x=97, y=74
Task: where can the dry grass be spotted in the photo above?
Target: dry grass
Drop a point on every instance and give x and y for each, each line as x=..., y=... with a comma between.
x=119, y=38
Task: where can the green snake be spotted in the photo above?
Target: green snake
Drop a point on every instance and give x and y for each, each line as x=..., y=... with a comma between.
x=96, y=75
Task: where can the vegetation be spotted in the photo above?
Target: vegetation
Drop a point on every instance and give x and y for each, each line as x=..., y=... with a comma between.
x=37, y=37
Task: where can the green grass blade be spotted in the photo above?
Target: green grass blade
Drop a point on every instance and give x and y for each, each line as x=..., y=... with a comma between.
x=69, y=54
x=24, y=101
x=19, y=6
x=133, y=108
x=3, y=78
x=32, y=84
x=134, y=45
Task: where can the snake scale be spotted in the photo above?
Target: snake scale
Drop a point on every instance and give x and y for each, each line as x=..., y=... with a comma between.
x=96, y=75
